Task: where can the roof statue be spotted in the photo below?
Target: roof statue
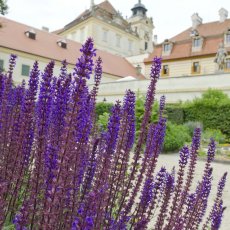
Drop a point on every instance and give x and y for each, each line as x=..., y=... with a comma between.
x=220, y=58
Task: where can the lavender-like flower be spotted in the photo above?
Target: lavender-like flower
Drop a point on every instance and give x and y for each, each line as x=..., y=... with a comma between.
x=59, y=172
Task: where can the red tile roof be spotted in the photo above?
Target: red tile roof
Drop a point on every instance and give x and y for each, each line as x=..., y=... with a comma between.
x=213, y=34
x=12, y=36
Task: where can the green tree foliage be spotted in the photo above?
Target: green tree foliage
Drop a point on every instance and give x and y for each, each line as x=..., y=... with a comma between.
x=3, y=7
x=212, y=109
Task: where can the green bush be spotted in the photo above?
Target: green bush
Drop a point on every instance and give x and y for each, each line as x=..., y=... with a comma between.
x=103, y=121
x=103, y=107
x=191, y=125
x=175, y=113
x=176, y=136
x=216, y=134
x=212, y=109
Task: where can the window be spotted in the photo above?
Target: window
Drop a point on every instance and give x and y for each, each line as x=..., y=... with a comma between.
x=118, y=40
x=62, y=43
x=165, y=70
x=195, y=67
x=166, y=47
x=31, y=34
x=25, y=70
x=1, y=65
x=227, y=38
x=227, y=64
x=105, y=35
x=146, y=45
x=196, y=42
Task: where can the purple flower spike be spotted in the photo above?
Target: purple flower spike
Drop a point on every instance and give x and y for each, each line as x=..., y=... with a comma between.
x=211, y=150
x=156, y=68
x=184, y=155
x=84, y=66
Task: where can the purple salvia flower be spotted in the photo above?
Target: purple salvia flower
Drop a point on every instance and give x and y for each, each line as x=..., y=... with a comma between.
x=12, y=63
x=155, y=72
x=84, y=66
x=113, y=128
x=162, y=105
x=202, y=192
x=211, y=150
x=124, y=144
x=217, y=215
x=156, y=68
x=168, y=191
x=184, y=155
x=218, y=198
x=159, y=184
x=147, y=193
x=191, y=167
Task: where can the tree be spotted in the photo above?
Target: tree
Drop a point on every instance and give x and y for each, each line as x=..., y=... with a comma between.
x=3, y=7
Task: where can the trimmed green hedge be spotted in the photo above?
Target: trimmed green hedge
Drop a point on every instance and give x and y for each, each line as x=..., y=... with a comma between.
x=175, y=113
x=212, y=109
x=213, y=117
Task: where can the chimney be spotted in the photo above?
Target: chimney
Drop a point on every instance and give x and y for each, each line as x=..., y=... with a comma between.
x=223, y=14
x=196, y=20
x=91, y=4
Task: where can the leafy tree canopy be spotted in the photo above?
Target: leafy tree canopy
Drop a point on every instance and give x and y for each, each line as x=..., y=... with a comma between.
x=3, y=7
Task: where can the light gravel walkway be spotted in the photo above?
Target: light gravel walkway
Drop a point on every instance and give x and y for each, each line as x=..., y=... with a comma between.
x=170, y=160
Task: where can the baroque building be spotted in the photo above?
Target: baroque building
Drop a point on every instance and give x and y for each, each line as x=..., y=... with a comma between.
x=111, y=31
x=202, y=49
x=30, y=44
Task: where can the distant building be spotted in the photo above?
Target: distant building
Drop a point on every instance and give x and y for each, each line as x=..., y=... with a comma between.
x=202, y=49
x=111, y=32
x=31, y=44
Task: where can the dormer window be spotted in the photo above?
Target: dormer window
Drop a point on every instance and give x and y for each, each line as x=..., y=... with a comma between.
x=31, y=34
x=197, y=43
x=167, y=48
x=62, y=43
x=227, y=38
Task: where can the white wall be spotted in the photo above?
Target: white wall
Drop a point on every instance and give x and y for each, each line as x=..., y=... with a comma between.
x=175, y=88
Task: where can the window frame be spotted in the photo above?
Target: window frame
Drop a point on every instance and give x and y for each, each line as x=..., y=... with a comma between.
x=1, y=65
x=25, y=72
x=197, y=42
x=196, y=67
x=165, y=70
x=166, y=47
x=227, y=64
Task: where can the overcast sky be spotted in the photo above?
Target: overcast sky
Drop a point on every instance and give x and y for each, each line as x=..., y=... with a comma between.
x=170, y=17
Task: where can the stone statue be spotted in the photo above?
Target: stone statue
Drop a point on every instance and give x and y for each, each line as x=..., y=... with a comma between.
x=220, y=58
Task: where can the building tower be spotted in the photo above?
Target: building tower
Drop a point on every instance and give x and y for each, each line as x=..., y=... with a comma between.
x=143, y=25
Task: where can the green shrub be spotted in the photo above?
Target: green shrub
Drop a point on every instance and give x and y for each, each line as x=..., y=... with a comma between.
x=175, y=113
x=191, y=125
x=103, y=107
x=176, y=136
x=212, y=109
x=103, y=121
x=216, y=134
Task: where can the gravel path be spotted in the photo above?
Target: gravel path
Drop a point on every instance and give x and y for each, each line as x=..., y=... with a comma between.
x=170, y=160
